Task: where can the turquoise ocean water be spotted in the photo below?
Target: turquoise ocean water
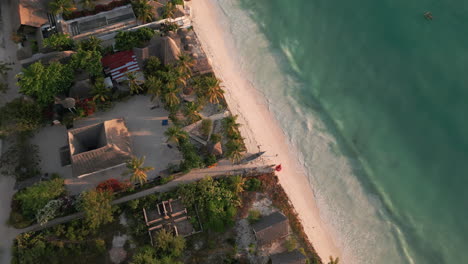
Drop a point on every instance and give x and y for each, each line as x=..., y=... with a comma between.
x=374, y=97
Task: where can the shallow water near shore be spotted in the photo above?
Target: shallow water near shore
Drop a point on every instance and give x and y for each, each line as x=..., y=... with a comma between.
x=372, y=96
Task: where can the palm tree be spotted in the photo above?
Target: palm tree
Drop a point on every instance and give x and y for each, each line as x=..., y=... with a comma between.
x=143, y=10
x=61, y=6
x=133, y=83
x=237, y=183
x=230, y=124
x=154, y=86
x=87, y=4
x=191, y=111
x=99, y=91
x=184, y=64
x=334, y=261
x=213, y=89
x=136, y=170
x=92, y=43
x=169, y=10
x=209, y=87
x=175, y=134
x=234, y=150
x=170, y=94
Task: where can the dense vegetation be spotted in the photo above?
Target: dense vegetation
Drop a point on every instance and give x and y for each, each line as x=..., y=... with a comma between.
x=44, y=82
x=59, y=42
x=126, y=40
x=216, y=200
x=28, y=202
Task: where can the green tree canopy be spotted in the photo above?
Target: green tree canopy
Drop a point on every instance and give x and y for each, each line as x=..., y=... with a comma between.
x=143, y=10
x=87, y=60
x=37, y=196
x=215, y=199
x=97, y=208
x=61, y=6
x=168, y=245
x=152, y=66
x=92, y=43
x=126, y=40
x=44, y=82
x=59, y=41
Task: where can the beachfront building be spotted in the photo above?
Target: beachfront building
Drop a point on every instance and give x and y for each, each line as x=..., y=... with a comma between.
x=271, y=228
x=168, y=48
x=33, y=25
x=99, y=147
x=119, y=18
x=293, y=257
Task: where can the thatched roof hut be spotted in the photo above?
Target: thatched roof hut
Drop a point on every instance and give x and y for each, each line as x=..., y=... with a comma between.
x=271, y=228
x=32, y=13
x=217, y=149
x=99, y=147
x=293, y=257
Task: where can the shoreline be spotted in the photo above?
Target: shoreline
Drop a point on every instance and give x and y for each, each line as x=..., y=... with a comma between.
x=259, y=126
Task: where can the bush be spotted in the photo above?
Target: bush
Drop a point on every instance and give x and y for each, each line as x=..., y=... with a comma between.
x=210, y=160
x=215, y=200
x=88, y=61
x=191, y=158
x=152, y=65
x=97, y=9
x=45, y=82
x=253, y=185
x=254, y=216
x=215, y=138
x=168, y=245
x=112, y=185
x=127, y=40
x=291, y=244
x=49, y=211
x=34, y=198
x=97, y=208
x=59, y=41
x=178, y=2
x=206, y=127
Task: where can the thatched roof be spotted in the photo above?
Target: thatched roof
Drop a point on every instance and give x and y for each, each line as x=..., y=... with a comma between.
x=293, y=257
x=217, y=149
x=32, y=12
x=271, y=227
x=98, y=147
x=81, y=89
x=165, y=48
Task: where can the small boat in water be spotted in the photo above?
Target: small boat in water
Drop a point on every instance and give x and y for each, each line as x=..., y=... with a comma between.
x=428, y=15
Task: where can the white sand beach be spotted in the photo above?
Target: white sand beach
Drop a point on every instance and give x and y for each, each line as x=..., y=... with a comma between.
x=259, y=126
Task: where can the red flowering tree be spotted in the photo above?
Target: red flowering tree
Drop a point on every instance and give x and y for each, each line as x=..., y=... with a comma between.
x=113, y=185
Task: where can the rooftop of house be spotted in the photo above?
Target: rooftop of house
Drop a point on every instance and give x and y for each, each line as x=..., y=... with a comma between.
x=98, y=147
x=100, y=23
x=293, y=257
x=269, y=220
x=168, y=48
x=32, y=12
x=117, y=65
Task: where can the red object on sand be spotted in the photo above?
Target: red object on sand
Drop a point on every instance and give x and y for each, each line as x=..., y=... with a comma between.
x=278, y=168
